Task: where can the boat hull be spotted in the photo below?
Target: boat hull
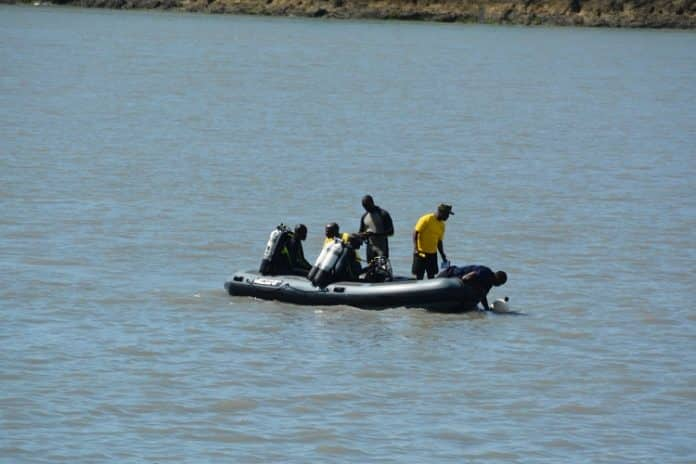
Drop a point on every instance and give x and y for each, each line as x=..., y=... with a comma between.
x=442, y=295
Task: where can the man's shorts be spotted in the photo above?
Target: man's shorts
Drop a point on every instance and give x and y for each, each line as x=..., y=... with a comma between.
x=421, y=265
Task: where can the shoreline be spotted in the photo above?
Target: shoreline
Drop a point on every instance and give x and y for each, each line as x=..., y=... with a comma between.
x=660, y=14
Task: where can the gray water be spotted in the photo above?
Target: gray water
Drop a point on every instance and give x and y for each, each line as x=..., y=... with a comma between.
x=145, y=157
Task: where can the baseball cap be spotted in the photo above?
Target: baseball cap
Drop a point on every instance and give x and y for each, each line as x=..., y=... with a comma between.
x=442, y=207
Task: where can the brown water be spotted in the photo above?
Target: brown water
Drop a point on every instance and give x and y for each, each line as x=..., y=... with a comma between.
x=144, y=157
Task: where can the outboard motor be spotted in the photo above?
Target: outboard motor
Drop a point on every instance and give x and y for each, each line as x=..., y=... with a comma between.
x=276, y=241
x=322, y=271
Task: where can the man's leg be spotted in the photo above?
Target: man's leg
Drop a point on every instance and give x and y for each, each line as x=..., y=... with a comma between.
x=418, y=267
x=431, y=265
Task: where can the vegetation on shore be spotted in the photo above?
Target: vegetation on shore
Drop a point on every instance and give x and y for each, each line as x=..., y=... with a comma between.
x=612, y=13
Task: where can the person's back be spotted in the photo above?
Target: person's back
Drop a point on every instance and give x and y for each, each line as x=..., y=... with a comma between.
x=297, y=264
x=375, y=225
x=481, y=278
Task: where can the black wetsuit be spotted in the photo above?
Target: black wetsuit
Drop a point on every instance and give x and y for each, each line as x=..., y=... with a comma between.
x=297, y=264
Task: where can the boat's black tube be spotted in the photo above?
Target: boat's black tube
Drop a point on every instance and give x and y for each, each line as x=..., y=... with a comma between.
x=449, y=294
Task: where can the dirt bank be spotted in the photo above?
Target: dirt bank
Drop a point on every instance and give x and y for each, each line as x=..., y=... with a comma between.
x=613, y=13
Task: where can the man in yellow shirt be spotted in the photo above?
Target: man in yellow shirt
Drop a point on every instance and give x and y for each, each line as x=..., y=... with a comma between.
x=427, y=241
x=331, y=233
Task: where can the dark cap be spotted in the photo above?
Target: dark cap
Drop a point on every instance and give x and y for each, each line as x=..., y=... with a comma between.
x=443, y=208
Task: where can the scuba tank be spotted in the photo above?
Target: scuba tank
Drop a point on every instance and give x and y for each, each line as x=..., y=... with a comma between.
x=272, y=247
x=313, y=271
x=320, y=274
x=343, y=262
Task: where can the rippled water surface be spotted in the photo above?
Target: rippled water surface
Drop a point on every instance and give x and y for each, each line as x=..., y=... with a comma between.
x=144, y=157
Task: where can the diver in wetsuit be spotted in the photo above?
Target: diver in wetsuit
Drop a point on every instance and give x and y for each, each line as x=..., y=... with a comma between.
x=294, y=253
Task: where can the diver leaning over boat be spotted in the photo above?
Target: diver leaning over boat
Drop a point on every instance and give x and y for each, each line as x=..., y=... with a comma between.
x=482, y=278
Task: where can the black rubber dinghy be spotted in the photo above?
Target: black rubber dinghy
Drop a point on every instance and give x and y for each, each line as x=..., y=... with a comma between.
x=441, y=295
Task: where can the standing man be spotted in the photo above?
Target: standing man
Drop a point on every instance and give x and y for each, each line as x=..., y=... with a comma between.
x=375, y=226
x=427, y=241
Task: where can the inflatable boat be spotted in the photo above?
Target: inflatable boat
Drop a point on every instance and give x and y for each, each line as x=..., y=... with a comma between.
x=328, y=282
x=440, y=295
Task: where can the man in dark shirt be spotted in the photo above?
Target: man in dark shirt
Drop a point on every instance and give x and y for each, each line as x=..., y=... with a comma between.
x=375, y=226
x=298, y=265
x=481, y=278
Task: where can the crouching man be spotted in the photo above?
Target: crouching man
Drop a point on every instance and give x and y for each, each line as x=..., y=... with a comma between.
x=481, y=278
